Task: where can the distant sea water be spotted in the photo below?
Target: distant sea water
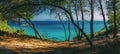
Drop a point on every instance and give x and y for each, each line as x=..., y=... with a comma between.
x=54, y=29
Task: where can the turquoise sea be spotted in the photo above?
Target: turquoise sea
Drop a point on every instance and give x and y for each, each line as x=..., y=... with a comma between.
x=54, y=29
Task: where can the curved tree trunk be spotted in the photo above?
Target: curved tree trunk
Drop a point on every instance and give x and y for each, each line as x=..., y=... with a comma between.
x=71, y=17
x=69, y=13
x=69, y=31
x=72, y=20
x=104, y=19
x=63, y=26
x=32, y=25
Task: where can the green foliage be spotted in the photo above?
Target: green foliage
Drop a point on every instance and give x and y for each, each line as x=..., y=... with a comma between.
x=4, y=26
x=20, y=32
x=100, y=33
x=111, y=14
x=111, y=19
x=96, y=34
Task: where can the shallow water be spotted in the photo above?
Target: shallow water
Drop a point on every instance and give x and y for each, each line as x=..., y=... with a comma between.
x=54, y=30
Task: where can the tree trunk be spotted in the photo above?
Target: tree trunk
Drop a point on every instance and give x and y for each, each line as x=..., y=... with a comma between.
x=82, y=13
x=69, y=13
x=115, y=24
x=76, y=30
x=63, y=26
x=104, y=19
x=69, y=31
x=20, y=23
x=72, y=20
x=77, y=26
x=92, y=18
x=71, y=17
x=32, y=25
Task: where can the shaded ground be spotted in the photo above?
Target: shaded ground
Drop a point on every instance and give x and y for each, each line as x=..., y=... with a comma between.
x=14, y=45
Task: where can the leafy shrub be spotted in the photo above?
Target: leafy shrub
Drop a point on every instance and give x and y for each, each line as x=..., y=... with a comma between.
x=20, y=32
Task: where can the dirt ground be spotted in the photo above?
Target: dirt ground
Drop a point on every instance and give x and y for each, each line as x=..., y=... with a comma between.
x=14, y=45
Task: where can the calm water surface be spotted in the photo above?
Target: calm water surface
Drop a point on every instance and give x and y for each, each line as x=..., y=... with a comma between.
x=54, y=30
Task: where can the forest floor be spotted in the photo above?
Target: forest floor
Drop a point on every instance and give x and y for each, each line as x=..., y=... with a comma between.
x=14, y=45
